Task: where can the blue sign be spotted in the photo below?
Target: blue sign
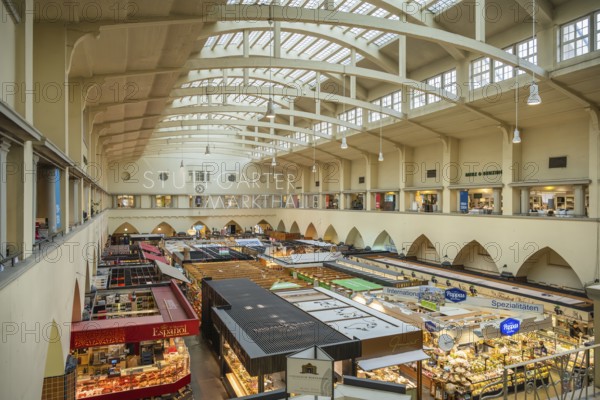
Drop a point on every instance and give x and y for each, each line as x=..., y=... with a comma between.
x=464, y=201
x=455, y=295
x=57, y=196
x=431, y=326
x=510, y=326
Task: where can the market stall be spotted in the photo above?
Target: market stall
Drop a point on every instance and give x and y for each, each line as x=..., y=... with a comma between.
x=133, y=345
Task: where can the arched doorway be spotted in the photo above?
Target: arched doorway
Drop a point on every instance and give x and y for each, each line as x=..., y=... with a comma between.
x=55, y=365
x=232, y=228
x=262, y=227
x=473, y=256
x=281, y=226
x=164, y=229
x=546, y=267
x=355, y=239
x=198, y=229
x=384, y=242
x=311, y=232
x=331, y=235
x=295, y=228
x=121, y=234
x=76, y=310
x=423, y=249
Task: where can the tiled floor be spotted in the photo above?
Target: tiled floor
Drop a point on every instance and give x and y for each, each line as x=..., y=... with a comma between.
x=206, y=384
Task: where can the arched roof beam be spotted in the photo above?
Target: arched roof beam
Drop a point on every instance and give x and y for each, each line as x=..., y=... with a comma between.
x=254, y=109
x=240, y=62
x=240, y=13
x=369, y=51
x=229, y=132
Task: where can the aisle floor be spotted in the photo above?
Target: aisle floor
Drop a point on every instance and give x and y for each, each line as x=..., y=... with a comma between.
x=206, y=383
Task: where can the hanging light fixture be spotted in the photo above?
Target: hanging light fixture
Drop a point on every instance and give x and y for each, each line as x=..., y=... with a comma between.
x=274, y=161
x=344, y=144
x=534, y=92
x=207, y=151
x=381, y=134
x=270, y=106
x=516, y=134
x=181, y=167
x=314, y=167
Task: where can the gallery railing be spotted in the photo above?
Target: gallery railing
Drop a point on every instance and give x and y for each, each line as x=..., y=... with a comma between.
x=565, y=376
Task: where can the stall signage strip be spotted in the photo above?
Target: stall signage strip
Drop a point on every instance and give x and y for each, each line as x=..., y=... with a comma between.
x=510, y=326
x=391, y=291
x=431, y=326
x=455, y=295
x=505, y=305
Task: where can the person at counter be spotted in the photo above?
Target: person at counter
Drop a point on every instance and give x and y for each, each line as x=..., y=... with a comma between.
x=575, y=331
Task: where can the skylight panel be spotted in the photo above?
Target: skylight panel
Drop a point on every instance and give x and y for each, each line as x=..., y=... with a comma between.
x=385, y=39
x=371, y=34
x=304, y=43
x=253, y=36
x=340, y=55
x=327, y=51
x=237, y=38
x=313, y=48
x=357, y=31
x=312, y=4
x=380, y=13
x=210, y=41
x=441, y=5
x=347, y=6
x=289, y=43
x=223, y=39
x=305, y=78
x=264, y=38
x=363, y=9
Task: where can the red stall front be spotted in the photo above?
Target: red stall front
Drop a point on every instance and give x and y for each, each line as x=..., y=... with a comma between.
x=133, y=345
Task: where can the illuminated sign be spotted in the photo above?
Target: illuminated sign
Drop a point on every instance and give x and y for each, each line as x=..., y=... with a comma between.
x=510, y=326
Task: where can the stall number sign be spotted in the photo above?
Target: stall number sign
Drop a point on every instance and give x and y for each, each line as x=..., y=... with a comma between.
x=510, y=326
x=455, y=295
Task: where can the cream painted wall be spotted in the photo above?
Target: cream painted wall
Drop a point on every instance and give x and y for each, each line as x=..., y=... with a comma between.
x=252, y=177
x=389, y=171
x=509, y=240
x=145, y=220
x=569, y=139
x=32, y=301
x=7, y=61
x=474, y=256
x=358, y=168
x=426, y=157
x=478, y=155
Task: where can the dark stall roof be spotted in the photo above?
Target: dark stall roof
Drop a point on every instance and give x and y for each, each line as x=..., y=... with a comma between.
x=264, y=327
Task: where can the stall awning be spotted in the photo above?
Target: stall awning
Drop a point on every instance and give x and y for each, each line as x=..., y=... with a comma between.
x=172, y=272
x=394, y=359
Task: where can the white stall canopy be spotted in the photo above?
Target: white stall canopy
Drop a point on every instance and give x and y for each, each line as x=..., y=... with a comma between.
x=394, y=359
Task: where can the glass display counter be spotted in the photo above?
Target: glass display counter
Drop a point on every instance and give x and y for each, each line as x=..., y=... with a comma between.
x=109, y=369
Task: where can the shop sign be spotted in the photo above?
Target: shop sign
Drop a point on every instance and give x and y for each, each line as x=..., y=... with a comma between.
x=510, y=326
x=464, y=201
x=455, y=295
x=310, y=372
x=483, y=173
x=500, y=304
x=431, y=326
x=166, y=331
x=430, y=305
x=391, y=291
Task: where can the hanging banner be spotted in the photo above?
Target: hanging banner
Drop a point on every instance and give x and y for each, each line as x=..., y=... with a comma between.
x=57, y=196
x=464, y=201
x=500, y=304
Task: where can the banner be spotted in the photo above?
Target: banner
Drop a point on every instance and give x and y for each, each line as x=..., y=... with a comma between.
x=455, y=295
x=500, y=304
x=510, y=326
x=464, y=201
x=412, y=292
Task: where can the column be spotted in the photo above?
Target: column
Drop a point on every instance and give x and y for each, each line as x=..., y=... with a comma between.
x=511, y=172
x=524, y=201
x=64, y=200
x=29, y=184
x=76, y=211
x=480, y=20
x=370, y=180
x=594, y=165
x=411, y=200
x=579, y=206
x=406, y=175
x=4, y=148
x=450, y=174
x=497, y=201
x=51, y=199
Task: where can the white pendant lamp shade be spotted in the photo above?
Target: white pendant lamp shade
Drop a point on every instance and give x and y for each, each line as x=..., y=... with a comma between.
x=380, y=156
x=207, y=150
x=516, y=136
x=314, y=168
x=274, y=162
x=534, y=95
x=344, y=144
x=270, y=109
